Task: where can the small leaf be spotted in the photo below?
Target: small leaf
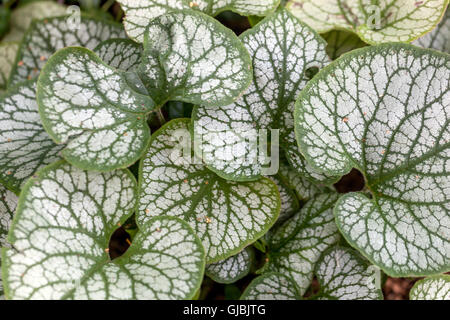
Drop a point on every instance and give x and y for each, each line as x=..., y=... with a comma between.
x=191, y=57
x=122, y=54
x=22, y=17
x=62, y=230
x=45, y=37
x=343, y=275
x=439, y=38
x=304, y=189
x=289, y=202
x=374, y=22
x=233, y=268
x=282, y=49
x=271, y=286
x=8, y=51
x=297, y=244
x=340, y=42
x=138, y=14
x=91, y=107
x=431, y=288
x=385, y=111
x=8, y=204
x=227, y=216
x=24, y=145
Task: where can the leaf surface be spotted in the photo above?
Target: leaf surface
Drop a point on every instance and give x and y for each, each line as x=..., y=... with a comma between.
x=62, y=230
x=297, y=244
x=24, y=145
x=431, y=288
x=191, y=57
x=44, y=37
x=385, y=110
x=343, y=275
x=8, y=51
x=8, y=204
x=91, y=107
x=271, y=286
x=233, y=268
x=226, y=215
x=374, y=21
x=138, y=14
x=283, y=50
x=439, y=38
x=123, y=54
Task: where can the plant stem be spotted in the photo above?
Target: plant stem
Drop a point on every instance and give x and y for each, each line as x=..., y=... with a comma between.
x=108, y=5
x=160, y=116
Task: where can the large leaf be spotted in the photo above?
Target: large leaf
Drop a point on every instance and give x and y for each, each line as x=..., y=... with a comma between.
x=123, y=54
x=283, y=50
x=398, y=20
x=8, y=51
x=297, y=244
x=8, y=204
x=385, y=111
x=233, y=268
x=61, y=234
x=22, y=17
x=138, y=14
x=226, y=215
x=24, y=144
x=439, y=38
x=191, y=57
x=431, y=288
x=45, y=37
x=90, y=106
x=271, y=286
x=343, y=275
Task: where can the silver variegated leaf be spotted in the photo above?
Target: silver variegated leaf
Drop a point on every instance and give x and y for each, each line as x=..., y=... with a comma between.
x=44, y=37
x=24, y=145
x=439, y=38
x=191, y=57
x=344, y=275
x=374, y=21
x=296, y=245
x=283, y=50
x=431, y=288
x=8, y=204
x=288, y=197
x=233, y=268
x=90, y=106
x=61, y=234
x=385, y=110
x=122, y=54
x=227, y=216
x=138, y=14
x=304, y=188
x=8, y=51
x=271, y=286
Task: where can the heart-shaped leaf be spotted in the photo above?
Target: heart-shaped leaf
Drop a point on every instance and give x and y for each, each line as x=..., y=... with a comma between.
x=8, y=51
x=283, y=50
x=439, y=38
x=340, y=42
x=122, y=54
x=431, y=288
x=61, y=234
x=385, y=111
x=138, y=14
x=374, y=21
x=191, y=57
x=343, y=275
x=271, y=286
x=24, y=144
x=226, y=215
x=45, y=37
x=233, y=268
x=8, y=204
x=91, y=107
x=22, y=17
x=296, y=245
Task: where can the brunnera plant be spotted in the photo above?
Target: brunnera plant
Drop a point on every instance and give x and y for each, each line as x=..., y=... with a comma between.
x=223, y=158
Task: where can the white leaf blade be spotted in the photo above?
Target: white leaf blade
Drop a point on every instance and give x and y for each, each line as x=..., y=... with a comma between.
x=25, y=147
x=122, y=54
x=8, y=205
x=271, y=286
x=431, y=288
x=227, y=216
x=365, y=127
x=231, y=269
x=439, y=37
x=229, y=136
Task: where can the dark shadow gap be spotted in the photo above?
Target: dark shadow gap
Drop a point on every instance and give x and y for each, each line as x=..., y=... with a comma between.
x=351, y=182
